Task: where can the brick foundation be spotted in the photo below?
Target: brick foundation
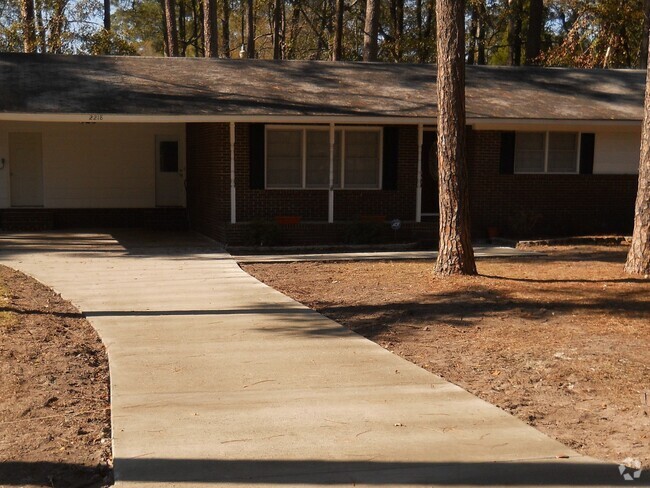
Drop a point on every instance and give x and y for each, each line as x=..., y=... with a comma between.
x=34, y=219
x=321, y=233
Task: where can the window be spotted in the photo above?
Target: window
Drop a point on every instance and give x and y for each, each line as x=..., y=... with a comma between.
x=562, y=152
x=284, y=159
x=300, y=157
x=529, y=152
x=318, y=159
x=546, y=152
x=168, y=156
x=361, y=159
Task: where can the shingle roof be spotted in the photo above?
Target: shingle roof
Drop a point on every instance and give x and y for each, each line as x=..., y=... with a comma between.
x=198, y=86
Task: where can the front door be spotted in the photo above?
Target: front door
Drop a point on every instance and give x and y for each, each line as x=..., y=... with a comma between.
x=169, y=173
x=26, y=163
x=430, y=174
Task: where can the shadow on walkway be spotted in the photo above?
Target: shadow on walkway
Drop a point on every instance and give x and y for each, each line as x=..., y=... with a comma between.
x=251, y=472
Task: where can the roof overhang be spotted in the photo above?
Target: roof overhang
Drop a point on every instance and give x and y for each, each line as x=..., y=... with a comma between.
x=533, y=124
x=476, y=123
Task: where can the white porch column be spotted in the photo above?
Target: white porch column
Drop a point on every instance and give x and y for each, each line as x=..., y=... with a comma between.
x=233, y=196
x=330, y=213
x=418, y=191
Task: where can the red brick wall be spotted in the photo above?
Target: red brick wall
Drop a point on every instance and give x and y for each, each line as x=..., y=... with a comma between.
x=320, y=233
x=208, y=176
x=534, y=205
x=516, y=204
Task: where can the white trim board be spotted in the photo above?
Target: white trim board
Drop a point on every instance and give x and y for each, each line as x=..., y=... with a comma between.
x=478, y=123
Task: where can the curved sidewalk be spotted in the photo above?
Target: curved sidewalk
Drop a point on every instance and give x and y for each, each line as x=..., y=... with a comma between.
x=219, y=380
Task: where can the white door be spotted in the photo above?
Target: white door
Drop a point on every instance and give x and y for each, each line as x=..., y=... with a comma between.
x=170, y=184
x=26, y=163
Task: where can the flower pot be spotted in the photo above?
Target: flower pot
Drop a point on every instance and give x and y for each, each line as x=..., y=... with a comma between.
x=288, y=219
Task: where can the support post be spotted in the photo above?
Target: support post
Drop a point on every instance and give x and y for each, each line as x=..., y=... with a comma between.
x=330, y=213
x=233, y=196
x=418, y=191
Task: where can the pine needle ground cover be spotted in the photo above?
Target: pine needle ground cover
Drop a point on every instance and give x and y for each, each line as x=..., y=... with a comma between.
x=54, y=393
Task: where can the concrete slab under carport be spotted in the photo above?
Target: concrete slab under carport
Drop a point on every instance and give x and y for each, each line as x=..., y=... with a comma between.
x=219, y=380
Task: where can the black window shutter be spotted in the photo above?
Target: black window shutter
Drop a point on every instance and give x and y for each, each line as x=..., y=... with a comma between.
x=256, y=148
x=587, y=143
x=507, y=159
x=390, y=156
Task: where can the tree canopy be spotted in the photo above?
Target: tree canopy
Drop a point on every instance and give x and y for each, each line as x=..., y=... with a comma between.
x=580, y=33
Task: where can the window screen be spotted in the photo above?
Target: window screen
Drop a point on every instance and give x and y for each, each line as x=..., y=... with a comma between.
x=318, y=159
x=361, y=159
x=529, y=152
x=284, y=159
x=562, y=152
x=300, y=158
x=168, y=152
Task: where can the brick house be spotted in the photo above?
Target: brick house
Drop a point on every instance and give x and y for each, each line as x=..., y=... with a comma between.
x=329, y=150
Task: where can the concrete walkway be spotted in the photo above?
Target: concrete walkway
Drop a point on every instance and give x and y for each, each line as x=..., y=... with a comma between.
x=218, y=380
x=479, y=252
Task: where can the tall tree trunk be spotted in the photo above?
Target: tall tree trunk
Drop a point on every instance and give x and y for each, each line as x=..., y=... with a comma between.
x=455, y=255
x=107, y=15
x=277, y=29
x=473, y=35
x=210, y=29
x=397, y=27
x=428, y=32
x=480, y=35
x=645, y=36
x=197, y=31
x=242, y=25
x=29, y=27
x=182, y=31
x=250, y=29
x=170, y=23
x=294, y=29
x=371, y=31
x=329, y=11
x=225, y=30
x=42, y=37
x=56, y=30
x=164, y=29
x=535, y=27
x=399, y=30
x=638, y=258
x=283, y=30
x=514, y=33
x=337, y=51
x=321, y=30
x=418, y=26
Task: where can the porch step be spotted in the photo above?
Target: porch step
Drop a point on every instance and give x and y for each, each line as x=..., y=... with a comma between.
x=30, y=219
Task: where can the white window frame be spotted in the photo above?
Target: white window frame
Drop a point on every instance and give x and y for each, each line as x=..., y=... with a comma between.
x=343, y=129
x=546, y=151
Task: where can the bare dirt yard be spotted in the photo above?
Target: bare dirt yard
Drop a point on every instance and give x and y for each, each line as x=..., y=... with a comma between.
x=561, y=341
x=54, y=390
